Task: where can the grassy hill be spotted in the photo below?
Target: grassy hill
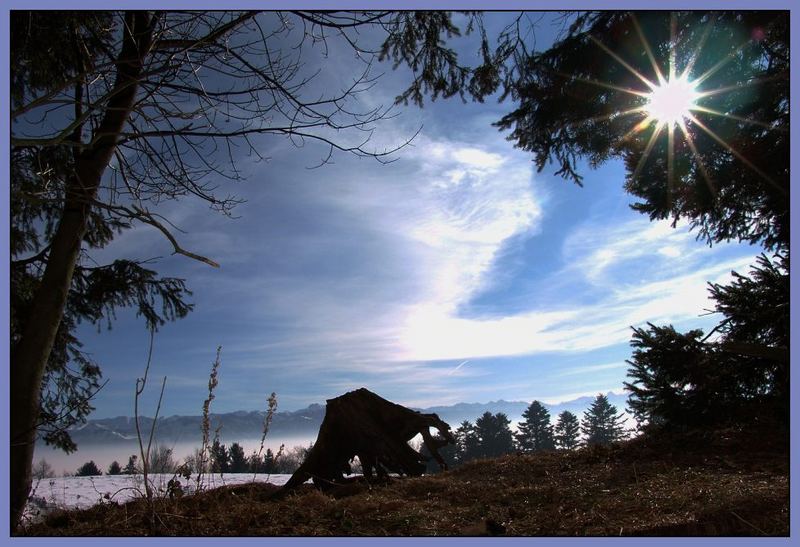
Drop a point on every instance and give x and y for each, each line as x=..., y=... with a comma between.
x=722, y=483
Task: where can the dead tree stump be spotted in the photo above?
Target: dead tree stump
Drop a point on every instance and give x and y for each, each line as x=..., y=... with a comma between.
x=360, y=423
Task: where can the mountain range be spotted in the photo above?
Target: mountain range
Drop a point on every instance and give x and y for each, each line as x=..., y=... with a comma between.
x=241, y=425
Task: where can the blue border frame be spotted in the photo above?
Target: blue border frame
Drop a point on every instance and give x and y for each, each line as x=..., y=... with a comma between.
x=362, y=4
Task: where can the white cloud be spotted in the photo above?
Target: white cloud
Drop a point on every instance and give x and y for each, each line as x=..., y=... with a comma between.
x=477, y=158
x=360, y=277
x=592, y=368
x=384, y=250
x=665, y=291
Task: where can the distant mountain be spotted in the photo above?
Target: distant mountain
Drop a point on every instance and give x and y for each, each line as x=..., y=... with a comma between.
x=455, y=414
x=241, y=425
x=232, y=426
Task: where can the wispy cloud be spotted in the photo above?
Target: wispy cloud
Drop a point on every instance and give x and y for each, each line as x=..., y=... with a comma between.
x=383, y=311
x=337, y=282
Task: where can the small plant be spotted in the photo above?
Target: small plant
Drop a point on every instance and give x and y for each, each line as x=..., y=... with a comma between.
x=272, y=405
x=205, y=447
x=145, y=453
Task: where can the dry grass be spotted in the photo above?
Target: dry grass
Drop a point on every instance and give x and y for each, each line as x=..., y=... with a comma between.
x=721, y=484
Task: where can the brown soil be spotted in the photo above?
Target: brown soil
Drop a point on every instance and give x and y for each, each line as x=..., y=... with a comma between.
x=730, y=483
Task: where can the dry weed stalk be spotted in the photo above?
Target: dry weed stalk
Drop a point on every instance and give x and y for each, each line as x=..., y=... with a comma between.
x=206, y=423
x=145, y=453
x=272, y=406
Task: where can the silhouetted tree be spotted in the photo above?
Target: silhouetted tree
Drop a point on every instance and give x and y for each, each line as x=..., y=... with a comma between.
x=131, y=468
x=291, y=459
x=142, y=108
x=197, y=461
x=114, y=468
x=88, y=469
x=220, y=458
x=535, y=430
x=730, y=178
x=42, y=470
x=680, y=379
x=567, y=431
x=466, y=447
x=601, y=424
x=161, y=460
x=723, y=168
x=261, y=464
x=238, y=461
x=755, y=330
x=494, y=435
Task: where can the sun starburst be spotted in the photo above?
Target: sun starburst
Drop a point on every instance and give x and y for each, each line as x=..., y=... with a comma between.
x=672, y=101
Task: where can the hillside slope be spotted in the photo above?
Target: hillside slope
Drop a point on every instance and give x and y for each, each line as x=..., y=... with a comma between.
x=705, y=484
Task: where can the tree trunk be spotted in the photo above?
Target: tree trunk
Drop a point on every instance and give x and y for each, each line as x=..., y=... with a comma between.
x=33, y=349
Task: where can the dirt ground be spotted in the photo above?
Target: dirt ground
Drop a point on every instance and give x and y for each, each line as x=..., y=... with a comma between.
x=729, y=483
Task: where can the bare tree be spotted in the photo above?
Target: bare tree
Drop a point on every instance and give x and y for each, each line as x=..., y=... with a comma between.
x=114, y=113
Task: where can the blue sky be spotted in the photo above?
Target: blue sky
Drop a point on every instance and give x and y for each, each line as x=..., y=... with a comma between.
x=455, y=273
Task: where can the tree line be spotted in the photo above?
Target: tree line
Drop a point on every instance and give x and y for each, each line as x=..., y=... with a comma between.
x=221, y=459
x=119, y=95
x=491, y=435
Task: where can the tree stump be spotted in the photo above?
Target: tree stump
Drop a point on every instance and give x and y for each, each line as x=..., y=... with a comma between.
x=360, y=423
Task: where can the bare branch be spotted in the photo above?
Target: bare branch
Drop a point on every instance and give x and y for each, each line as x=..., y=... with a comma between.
x=207, y=40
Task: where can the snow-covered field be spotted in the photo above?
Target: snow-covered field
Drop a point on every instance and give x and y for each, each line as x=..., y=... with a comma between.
x=82, y=492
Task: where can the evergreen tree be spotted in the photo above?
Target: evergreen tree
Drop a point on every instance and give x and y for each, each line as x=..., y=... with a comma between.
x=89, y=469
x=682, y=380
x=601, y=424
x=755, y=332
x=670, y=372
x=535, y=431
x=724, y=169
x=114, y=468
x=466, y=447
x=131, y=467
x=238, y=461
x=494, y=435
x=567, y=431
x=255, y=463
x=566, y=113
x=220, y=459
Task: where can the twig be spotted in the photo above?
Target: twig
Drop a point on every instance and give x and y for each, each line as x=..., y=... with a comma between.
x=751, y=525
x=140, y=383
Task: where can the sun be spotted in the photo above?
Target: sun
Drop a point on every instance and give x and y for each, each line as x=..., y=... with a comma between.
x=672, y=102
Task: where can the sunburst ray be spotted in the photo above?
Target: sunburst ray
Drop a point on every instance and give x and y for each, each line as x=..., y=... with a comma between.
x=624, y=63
x=765, y=125
x=700, y=45
x=696, y=154
x=736, y=153
x=602, y=117
x=648, y=50
x=648, y=148
x=670, y=163
x=607, y=85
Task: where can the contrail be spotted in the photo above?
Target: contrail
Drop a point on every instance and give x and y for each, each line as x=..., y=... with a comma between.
x=458, y=367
